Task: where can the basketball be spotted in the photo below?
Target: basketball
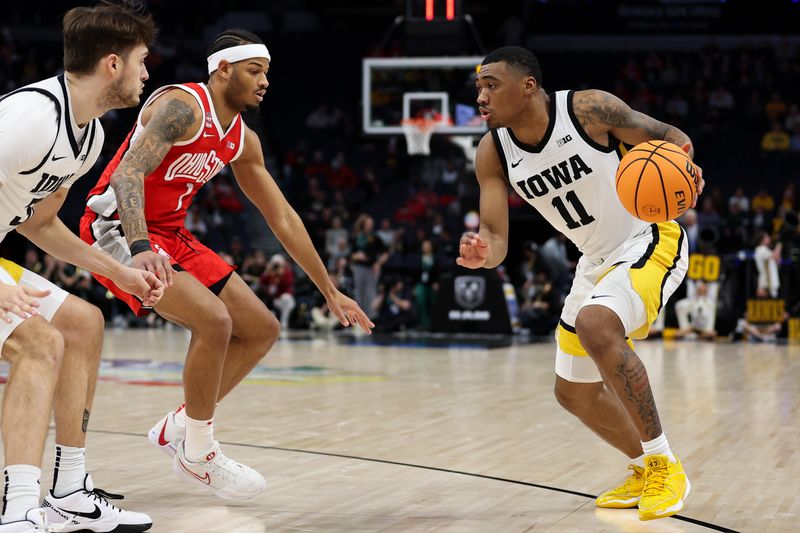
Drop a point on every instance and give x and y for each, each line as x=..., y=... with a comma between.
x=655, y=181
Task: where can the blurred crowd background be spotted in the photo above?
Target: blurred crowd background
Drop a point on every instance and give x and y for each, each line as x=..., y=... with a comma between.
x=387, y=224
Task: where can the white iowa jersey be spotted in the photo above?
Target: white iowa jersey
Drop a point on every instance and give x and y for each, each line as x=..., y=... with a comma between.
x=41, y=148
x=570, y=180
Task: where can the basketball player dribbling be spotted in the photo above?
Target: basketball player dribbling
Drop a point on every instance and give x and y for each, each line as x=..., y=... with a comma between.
x=50, y=135
x=184, y=136
x=560, y=152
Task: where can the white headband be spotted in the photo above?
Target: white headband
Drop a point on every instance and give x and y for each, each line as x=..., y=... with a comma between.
x=237, y=53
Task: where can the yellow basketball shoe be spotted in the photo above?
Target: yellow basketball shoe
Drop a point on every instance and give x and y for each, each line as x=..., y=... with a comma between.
x=626, y=495
x=666, y=488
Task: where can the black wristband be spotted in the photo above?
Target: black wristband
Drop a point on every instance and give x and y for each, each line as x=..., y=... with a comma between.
x=142, y=245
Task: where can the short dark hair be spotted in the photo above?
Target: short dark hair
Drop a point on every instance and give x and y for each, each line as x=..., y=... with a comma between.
x=231, y=38
x=519, y=58
x=91, y=33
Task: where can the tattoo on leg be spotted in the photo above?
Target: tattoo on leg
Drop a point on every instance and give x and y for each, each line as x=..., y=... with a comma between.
x=85, y=424
x=637, y=390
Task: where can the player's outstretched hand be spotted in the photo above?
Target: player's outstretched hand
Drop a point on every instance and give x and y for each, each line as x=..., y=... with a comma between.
x=20, y=301
x=348, y=312
x=699, y=182
x=155, y=263
x=473, y=251
x=142, y=283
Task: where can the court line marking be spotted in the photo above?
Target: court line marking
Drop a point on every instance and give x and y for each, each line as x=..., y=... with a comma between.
x=695, y=521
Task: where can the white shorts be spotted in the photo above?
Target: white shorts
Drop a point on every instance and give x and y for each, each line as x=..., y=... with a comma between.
x=13, y=274
x=634, y=281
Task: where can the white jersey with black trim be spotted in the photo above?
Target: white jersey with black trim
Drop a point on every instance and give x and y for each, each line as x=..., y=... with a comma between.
x=570, y=179
x=41, y=148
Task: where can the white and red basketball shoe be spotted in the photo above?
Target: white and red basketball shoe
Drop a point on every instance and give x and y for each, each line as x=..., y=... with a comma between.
x=166, y=434
x=224, y=477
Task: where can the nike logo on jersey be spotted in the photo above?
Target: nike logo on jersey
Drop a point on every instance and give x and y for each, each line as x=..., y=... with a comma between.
x=94, y=515
x=601, y=296
x=515, y=165
x=54, y=158
x=208, y=134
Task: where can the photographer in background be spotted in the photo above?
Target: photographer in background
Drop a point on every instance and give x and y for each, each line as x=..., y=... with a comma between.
x=276, y=288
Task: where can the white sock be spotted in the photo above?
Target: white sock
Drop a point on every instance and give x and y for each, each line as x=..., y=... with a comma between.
x=70, y=470
x=22, y=491
x=658, y=446
x=638, y=461
x=199, y=438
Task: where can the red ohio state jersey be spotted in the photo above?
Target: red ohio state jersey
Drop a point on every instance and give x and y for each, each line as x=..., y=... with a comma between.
x=170, y=189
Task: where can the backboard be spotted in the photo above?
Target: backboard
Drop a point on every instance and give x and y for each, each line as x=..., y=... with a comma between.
x=399, y=88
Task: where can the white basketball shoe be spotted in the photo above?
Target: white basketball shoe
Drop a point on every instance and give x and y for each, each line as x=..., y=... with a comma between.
x=35, y=522
x=88, y=509
x=166, y=434
x=224, y=477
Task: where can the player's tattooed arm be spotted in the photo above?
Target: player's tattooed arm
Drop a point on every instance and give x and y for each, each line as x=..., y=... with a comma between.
x=168, y=124
x=600, y=112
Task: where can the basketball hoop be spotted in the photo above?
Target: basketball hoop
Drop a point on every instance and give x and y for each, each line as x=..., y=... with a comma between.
x=418, y=132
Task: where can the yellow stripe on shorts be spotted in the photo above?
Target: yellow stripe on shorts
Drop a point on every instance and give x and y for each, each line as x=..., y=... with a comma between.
x=650, y=273
x=13, y=269
x=569, y=343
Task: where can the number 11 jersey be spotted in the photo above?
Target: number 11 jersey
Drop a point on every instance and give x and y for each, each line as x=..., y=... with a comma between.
x=570, y=179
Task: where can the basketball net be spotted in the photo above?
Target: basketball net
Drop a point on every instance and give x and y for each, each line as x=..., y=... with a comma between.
x=418, y=132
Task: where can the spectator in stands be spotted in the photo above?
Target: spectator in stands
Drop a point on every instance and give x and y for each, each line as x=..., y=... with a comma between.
x=689, y=223
x=697, y=314
x=776, y=139
x=794, y=140
x=196, y=224
x=741, y=199
x=335, y=235
x=341, y=175
x=392, y=306
x=776, y=108
x=276, y=288
x=553, y=255
x=369, y=255
x=541, y=305
x=236, y=251
x=34, y=263
x=427, y=277
x=253, y=268
x=386, y=233
x=763, y=200
x=708, y=215
x=792, y=122
x=321, y=316
x=767, y=260
x=735, y=228
x=319, y=118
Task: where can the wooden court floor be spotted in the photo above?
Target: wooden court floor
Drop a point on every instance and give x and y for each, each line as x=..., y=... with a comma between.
x=366, y=438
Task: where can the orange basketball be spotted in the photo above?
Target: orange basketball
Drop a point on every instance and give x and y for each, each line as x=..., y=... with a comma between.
x=655, y=181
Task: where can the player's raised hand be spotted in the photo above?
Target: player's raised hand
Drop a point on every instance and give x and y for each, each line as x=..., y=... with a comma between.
x=155, y=263
x=348, y=312
x=142, y=283
x=473, y=251
x=19, y=300
x=699, y=182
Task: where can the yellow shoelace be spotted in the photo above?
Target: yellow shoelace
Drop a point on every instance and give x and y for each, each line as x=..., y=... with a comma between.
x=656, y=480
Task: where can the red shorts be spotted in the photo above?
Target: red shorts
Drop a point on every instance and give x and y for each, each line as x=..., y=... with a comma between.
x=184, y=251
